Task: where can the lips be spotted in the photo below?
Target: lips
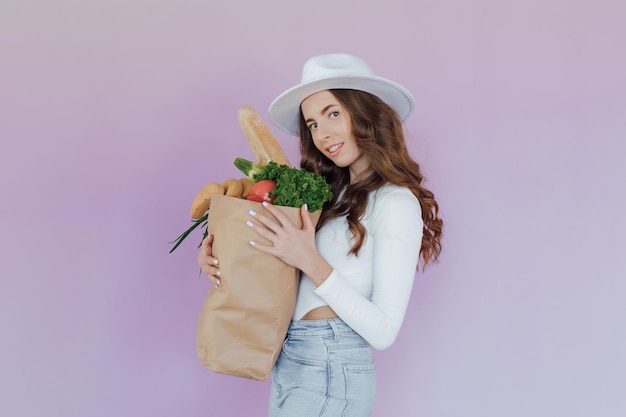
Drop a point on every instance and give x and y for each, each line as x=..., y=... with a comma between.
x=334, y=149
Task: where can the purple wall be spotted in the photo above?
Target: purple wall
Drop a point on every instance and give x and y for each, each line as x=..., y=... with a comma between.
x=113, y=115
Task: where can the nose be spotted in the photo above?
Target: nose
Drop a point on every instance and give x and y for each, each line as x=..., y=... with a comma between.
x=322, y=131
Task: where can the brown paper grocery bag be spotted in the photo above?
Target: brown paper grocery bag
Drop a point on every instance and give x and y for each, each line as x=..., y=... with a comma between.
x=243, y=323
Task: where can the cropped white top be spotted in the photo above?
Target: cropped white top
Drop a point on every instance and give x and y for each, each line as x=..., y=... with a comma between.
x=369, y=292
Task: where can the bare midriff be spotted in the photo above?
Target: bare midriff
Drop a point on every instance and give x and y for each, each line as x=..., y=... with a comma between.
x=320, y=313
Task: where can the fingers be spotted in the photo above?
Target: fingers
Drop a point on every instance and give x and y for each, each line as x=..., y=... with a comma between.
x=277, y=233
x=261, y=231
x=284, y=221
x=276, y=227
x=280, y=216
x=213, y=273
x=208, y=263
x=307, y=224
x=205, y=254
x=266, y=228
x=207, y=245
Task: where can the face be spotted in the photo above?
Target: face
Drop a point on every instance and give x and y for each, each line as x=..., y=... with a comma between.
x=331, y=129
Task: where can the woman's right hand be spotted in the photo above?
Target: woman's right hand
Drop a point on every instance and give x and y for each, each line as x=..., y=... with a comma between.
x=207, y=262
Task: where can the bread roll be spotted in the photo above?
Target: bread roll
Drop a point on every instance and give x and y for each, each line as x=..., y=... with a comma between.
x=233, y=187
x=247, y=185
x=202, y=201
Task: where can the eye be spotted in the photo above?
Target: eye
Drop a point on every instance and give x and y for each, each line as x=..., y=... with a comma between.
x=312, y=126
x=334, y=114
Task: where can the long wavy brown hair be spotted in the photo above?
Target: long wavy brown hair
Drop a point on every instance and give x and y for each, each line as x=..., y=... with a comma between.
x=379, y=135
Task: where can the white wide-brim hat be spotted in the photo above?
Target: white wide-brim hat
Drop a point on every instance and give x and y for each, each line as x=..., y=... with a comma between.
x=343, y=71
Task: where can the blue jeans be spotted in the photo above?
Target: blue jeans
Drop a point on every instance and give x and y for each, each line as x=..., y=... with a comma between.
x=325, y=369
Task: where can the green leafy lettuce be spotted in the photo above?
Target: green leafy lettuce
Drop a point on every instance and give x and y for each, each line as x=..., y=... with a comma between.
x=294, y=186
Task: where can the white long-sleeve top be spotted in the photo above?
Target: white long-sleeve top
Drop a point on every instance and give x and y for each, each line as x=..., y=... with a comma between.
x=369, y=292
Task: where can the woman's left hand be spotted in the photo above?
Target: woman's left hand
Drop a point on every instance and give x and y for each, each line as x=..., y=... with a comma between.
x=291, y=244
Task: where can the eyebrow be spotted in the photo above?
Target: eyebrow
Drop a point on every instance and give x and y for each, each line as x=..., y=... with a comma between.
x=322, y=112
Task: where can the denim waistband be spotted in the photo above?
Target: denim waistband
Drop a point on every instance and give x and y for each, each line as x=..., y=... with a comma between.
x=330, y=327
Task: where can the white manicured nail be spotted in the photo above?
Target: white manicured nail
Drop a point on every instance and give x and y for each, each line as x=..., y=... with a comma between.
x=252, y=212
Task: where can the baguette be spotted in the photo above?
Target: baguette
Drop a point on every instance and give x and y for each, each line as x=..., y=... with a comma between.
x=262, y=141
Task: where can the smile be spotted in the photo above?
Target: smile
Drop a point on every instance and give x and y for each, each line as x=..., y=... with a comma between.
x=333, y=149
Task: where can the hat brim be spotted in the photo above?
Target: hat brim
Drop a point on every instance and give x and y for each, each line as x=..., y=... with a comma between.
x=285, y=109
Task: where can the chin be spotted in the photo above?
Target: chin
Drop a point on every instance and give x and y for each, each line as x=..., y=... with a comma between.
x=340, y=164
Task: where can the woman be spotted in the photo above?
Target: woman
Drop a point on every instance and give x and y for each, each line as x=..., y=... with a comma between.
x=358, y=267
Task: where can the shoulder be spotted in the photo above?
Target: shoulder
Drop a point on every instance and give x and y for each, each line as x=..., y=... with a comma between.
x=394, y=212
x=390, y=196
x=392, y=203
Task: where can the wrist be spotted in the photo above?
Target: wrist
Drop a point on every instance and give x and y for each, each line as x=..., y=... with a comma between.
x=317, y=269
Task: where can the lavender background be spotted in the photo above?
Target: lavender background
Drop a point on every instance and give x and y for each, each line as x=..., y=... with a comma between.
x=114, y=113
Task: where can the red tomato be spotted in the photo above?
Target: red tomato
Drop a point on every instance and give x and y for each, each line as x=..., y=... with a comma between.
x=260, y=191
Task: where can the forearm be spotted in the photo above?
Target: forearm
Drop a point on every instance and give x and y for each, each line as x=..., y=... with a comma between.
x=377, y=320
x=316, y=268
